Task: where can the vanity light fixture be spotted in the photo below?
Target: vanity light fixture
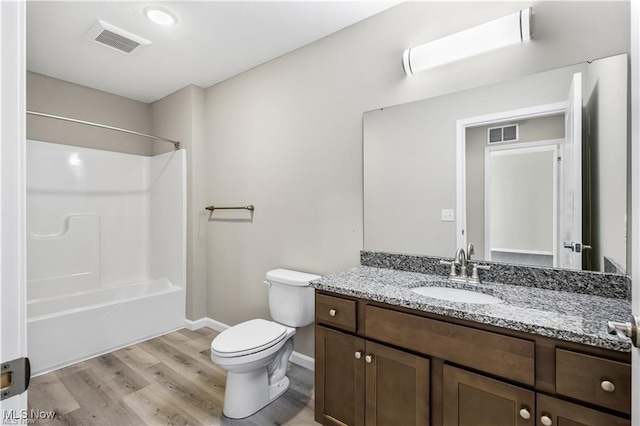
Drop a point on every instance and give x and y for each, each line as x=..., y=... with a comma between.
x=160, y=16
x=501, y=32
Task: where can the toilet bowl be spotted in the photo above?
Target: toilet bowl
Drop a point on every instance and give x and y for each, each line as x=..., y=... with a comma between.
x=255, y=353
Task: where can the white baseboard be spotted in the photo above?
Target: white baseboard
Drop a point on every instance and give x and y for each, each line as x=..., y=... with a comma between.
x=297, y=358
x=205, y=322
x=194, y=325
x=303, y=360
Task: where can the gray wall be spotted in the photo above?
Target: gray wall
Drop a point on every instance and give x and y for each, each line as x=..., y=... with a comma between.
x=605, y=127
x=53, y=96
x=287, y=135
x=179, y=116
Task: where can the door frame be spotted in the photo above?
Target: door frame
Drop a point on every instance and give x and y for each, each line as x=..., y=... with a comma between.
x=635, y=198
x=13, y=341
x=483, y=120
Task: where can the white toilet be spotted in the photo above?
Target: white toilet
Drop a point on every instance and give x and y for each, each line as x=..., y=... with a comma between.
x=255, y=353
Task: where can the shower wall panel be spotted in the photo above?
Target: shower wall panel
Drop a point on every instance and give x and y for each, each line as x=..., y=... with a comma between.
x=88, y=219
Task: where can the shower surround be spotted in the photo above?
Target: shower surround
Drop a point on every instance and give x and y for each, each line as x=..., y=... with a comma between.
x=105, y=250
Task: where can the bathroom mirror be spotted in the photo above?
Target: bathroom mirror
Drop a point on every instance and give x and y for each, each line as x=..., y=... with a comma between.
x=530, y=171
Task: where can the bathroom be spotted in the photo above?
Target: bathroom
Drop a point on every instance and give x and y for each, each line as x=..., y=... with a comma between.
x=287, y=135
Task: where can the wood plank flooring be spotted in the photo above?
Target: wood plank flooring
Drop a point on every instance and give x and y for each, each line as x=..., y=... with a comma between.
x=169, y=380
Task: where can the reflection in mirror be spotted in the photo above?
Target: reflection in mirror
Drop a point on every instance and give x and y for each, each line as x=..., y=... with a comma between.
x=512, y=189
x=501, y=157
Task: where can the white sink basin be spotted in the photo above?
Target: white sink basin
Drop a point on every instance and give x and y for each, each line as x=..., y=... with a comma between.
x=456, y=295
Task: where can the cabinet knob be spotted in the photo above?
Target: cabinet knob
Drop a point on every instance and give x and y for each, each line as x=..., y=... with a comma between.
x=607, y=386
x=546, y=420
x=332, y=312
x=525, y=414
x=358, y=355
x=368, y=358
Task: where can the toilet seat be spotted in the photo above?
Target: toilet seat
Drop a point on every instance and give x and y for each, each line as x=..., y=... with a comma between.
x=247, y=338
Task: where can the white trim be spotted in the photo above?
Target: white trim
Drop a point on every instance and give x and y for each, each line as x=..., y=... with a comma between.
x=482, y=120
x=521, y=251
x=205, y=322
x=536, y=146
x=461, y=192
x=635, y=199
x=487, y=203
x=556, y=205
x=303, y=360
x=194, y=325
x=13, y=318
x=514, y=115
x=297, y=358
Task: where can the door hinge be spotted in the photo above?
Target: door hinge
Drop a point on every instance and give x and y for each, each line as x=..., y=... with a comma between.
x=15, y=376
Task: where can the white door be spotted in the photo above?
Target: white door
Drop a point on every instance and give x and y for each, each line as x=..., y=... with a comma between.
x=635, y=201
x=13, y=341
x=570, y=234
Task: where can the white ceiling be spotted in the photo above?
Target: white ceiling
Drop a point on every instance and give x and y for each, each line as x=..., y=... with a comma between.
x=211, y=42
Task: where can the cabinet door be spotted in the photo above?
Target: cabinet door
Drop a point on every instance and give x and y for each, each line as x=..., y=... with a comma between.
x=473, y=400
x=397, y=387
x=555, y=412
x=339, y=376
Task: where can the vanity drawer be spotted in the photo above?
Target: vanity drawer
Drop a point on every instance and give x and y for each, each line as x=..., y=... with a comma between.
x=335, y=311
x=584, y=377
x=504, y=356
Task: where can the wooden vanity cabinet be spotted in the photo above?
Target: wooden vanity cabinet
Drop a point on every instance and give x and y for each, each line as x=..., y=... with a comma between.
x=557, y=412
x=475, y=400
x=339, y=378
x=593, y=379
x=378, y=364
x=396, y=387
x=360, y=382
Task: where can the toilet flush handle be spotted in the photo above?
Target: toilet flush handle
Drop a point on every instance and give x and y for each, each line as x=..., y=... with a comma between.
x=267, y=283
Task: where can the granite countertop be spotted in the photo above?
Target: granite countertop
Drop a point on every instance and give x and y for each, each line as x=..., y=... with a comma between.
x=560, y=315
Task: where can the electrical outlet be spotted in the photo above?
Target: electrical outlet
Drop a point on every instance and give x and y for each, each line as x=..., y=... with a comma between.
x=447, y=215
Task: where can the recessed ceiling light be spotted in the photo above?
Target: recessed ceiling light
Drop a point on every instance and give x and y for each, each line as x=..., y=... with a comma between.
x=160, y=16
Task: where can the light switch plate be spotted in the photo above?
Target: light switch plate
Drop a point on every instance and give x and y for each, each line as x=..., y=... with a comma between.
x=447, y=215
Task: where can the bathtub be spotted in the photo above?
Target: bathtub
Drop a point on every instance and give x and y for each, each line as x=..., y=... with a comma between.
x=106, y=250
x=67, y=329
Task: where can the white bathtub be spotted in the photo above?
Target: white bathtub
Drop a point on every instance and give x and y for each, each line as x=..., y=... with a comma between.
x=100, y=225
x=66, y=329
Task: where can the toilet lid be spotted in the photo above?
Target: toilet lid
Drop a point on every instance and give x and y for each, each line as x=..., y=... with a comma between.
x=248, y=337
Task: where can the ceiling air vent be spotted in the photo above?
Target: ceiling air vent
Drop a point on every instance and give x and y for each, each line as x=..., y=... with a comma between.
x=508, y=133
x=116, y=38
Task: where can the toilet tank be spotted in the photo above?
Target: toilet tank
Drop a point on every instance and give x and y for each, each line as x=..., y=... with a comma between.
x=291, y=300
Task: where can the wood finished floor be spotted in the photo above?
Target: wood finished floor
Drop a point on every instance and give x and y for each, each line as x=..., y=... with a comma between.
x=169, y=380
